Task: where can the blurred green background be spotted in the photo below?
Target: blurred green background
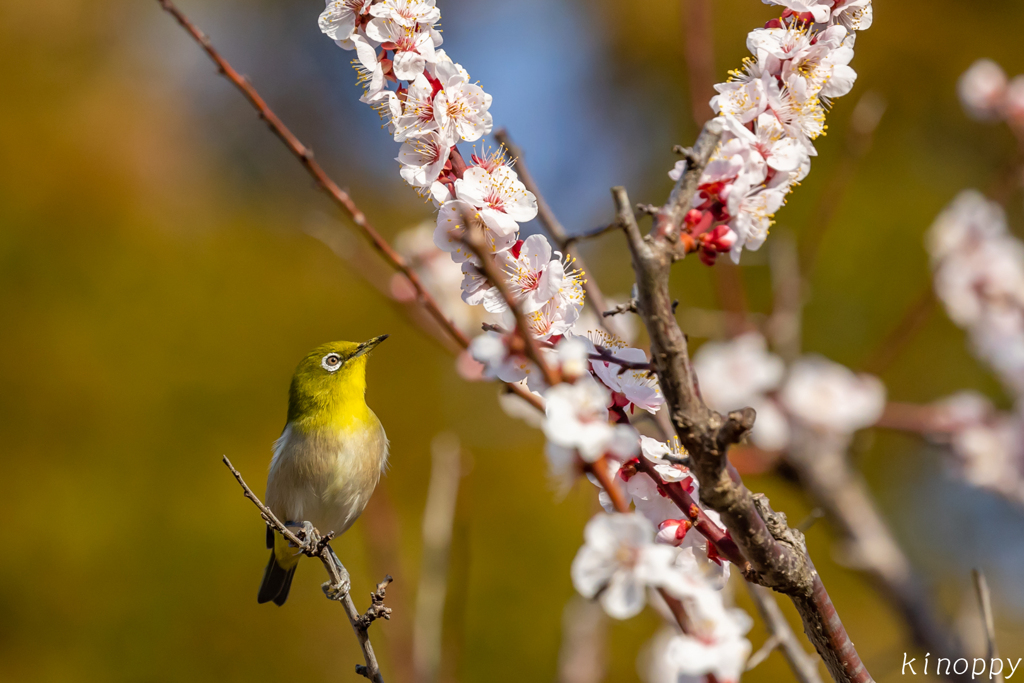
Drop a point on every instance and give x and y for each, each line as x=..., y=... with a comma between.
x=158, y=285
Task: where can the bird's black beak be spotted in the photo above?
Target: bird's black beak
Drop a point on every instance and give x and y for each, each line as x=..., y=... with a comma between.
x=369, y=345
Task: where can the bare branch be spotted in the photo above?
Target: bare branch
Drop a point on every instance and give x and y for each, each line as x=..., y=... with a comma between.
x=311, y=543
x=804, y=666
x=821, y=463
x=628, y=307
x=438, y=519
x=985, y=605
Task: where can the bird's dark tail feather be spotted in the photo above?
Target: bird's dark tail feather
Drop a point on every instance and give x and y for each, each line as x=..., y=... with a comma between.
x=277, y=581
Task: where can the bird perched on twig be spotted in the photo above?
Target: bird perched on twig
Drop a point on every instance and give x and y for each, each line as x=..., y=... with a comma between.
x=328, y=459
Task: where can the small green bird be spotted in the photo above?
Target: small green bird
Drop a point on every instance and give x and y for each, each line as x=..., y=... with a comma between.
x=329, y=457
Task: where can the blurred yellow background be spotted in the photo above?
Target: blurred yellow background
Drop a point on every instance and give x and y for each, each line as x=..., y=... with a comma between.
x=158, y=286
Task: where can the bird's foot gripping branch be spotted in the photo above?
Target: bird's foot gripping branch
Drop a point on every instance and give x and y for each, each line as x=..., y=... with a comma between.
x=311, y=543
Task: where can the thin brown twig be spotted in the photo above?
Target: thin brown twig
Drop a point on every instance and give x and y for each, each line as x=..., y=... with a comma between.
x=803, y=665
x=821, y=462
x=699, y=52
x=340, y=197
x=913, y=320
x=313, y=544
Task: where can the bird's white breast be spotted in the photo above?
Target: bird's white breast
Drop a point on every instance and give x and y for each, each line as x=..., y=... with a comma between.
x=325, y=476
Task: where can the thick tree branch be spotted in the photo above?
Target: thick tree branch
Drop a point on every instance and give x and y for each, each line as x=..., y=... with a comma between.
x=777, y=556
x=311, y=543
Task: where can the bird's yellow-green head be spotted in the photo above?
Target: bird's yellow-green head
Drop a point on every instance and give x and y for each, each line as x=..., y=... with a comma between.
x=329, y=386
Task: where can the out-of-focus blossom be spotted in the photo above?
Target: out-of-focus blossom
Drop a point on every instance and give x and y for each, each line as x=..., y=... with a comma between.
x=573, y=358
x=829, y=397
x=734, y=373
x=577, y=417
x=439, y=275
x=619, y=560
x=979, y=277
x=1014, y=104
x=740, y=373
x=982, y=89
x=719, y=648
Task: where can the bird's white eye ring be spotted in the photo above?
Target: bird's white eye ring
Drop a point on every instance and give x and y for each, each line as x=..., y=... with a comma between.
x=331, y=362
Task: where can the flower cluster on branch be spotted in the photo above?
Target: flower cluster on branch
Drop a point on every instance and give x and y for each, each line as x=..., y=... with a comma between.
x=655, y=537
x=772, y=108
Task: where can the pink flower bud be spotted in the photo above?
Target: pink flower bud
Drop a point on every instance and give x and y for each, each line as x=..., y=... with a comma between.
x=673, y=531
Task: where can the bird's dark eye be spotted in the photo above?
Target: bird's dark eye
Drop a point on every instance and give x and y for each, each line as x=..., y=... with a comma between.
x=331, y=362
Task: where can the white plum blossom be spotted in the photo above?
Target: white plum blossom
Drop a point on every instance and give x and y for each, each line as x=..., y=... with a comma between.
x=745, y=95
x=417, y=113
x=407, y=12
x=779, y=152
x=369, y=67
x=772, y=109
x=413, y=49
x=753, y=218
x=645, y=494
x=503, y=200
x=555, y=318
x=829, y=397
x=460, y=108
x=338, y=20
x=637, y=386
x=855, y=15
x=982, y=89
x=619, y=561
x=423, y=158
x=820, y=10
x=576, y=416
x=535, y=277
x=451, y=227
